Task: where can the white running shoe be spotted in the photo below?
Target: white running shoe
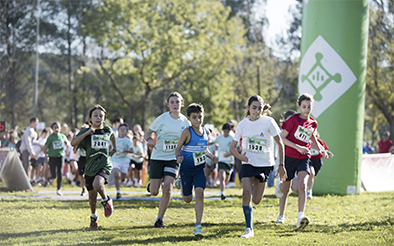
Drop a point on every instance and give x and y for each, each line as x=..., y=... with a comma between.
x=230, y=185
x=281, y=219
x=309, y=194
x=278, y=191
x=198, y=231
x=302, y=223
x=248, y=233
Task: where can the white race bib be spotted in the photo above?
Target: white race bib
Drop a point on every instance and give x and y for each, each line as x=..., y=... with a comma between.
x=200, y=157
x=170, y=144
x=100, y=141
x=57, y=145
x=256, y=145
x=303, y=134
x=314, y=152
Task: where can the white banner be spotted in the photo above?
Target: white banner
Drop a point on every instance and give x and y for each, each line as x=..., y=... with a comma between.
x=12, y=173
x=377, y=172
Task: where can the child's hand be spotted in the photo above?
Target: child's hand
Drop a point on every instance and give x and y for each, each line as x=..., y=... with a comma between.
x=244, y=158
x=302, y=149
x=282, y=173
x=179, y=159
x=329, y=154
x=215, y=159
x=151, y=143
x=227, y=154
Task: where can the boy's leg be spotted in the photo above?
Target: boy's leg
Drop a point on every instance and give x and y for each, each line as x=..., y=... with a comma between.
x=258, y=191
x=294, y=185
x=302, y=184
x=116, y=178
x=199, y=207
x=222, y=179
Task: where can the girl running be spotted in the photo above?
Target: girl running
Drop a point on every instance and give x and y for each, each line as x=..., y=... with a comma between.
x=257, y=132
x=96, y=141
x=56, y=153
x=297, y=132
x=163, y=165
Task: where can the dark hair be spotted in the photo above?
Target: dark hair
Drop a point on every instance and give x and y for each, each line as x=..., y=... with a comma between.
x=226, y=126
x=55, y=123
x=386, y=133
x=123, y=124
x=34, y=119
x=266, y=107
x=303, y=97
x=120, y=120
x=194, y=108
x=287, y=114
x=174, y=94
x=97, y=106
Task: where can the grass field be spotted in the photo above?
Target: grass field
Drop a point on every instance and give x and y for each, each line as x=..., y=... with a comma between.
x=366, y=219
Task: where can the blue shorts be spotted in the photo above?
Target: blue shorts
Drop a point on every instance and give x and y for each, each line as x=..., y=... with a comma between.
x=316, y=164
x=41, y=160
x=192, y=178
x=293, y=165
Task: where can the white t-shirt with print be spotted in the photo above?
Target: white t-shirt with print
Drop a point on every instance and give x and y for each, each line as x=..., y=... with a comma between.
x=223, y=148
x=168, y=133
x=257, y=140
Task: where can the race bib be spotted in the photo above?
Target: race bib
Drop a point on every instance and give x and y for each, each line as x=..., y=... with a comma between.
x=57, y=145
x=303, y=134
x=257, y=145
x=100, y=141
x=200, y=157
x=314, y=152
x=169, y=145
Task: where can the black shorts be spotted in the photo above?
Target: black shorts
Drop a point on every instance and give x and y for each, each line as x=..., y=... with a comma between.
x=33, y=162
x=293, y=165
x=81, y=165
x=317, y=164
x=228, y=168
x=137, y=165
x=260, y=173
x=89, y=179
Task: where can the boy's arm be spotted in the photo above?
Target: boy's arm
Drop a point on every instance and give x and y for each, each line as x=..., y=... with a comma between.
x=214, y=158
x=78, y=139
x=319, y=146
x=302, y=149
x=184, y=139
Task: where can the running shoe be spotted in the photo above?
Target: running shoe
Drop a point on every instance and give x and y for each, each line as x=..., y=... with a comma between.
x=198, y=231
x=159, y=223
x=108, y=208
x=230, y=185
x=302, y=223
x=309, y=194
x=84, y=192
x=223, y=197
x=118, y=195
x=248, y=233
x=59, y=193
x=278, y=191
x=281, y=219
x=93, y=222
x=148, y=187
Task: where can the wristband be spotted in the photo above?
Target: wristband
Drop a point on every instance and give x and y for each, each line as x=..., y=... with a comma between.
x=281, y=164
x=149, y=138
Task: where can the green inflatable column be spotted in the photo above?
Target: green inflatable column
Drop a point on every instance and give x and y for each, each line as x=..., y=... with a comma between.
x=333, y=69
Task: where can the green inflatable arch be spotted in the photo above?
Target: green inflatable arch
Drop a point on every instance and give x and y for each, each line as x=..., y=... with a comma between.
x=333, y=69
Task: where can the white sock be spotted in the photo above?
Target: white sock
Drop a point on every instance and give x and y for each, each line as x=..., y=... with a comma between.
x=222, y=193
x=300, y=215
x=118, y=191
x=95, y=215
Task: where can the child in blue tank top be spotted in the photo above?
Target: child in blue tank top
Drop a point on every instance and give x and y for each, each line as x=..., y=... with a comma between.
x=191, y=152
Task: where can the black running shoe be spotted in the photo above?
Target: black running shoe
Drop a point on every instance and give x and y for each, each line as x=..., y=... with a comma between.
x=223, y=197
x=118, y=195
x=159, y=224
x=148, y=187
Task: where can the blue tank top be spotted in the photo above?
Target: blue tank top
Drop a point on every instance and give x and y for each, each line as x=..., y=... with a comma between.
x=194, y=152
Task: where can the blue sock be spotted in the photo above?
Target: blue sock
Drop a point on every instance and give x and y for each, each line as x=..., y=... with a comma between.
x=198, y=223
x=158, y=218
x=248, y=212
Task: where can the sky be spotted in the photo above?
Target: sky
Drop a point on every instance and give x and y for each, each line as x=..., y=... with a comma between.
x=279, y=19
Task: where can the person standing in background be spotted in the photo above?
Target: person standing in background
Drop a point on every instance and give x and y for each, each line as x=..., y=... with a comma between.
x=27, y=144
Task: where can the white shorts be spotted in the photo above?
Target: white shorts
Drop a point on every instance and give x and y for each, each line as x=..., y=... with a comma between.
x=122, y=167
x=74, y=156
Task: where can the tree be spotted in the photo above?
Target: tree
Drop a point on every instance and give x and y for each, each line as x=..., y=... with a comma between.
x=151, y=44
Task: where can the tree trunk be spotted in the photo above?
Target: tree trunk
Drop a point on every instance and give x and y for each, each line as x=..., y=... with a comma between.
x=72, y=105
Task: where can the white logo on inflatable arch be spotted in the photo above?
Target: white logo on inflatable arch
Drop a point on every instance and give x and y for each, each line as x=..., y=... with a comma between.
x=324, y=74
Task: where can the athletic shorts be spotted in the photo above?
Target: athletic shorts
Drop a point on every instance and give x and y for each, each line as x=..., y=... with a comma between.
x=228, y=168
x=81, y=165
x=122, y=167
x=33, y=162
x=190, y=179
x=159, y=169
x=41, y=160
x=89, y=179
x=317, y=164
x=293, y=165
x=137, y=165
x=260, y=173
